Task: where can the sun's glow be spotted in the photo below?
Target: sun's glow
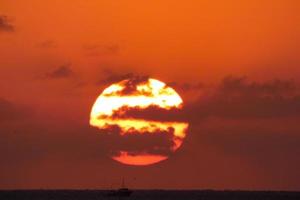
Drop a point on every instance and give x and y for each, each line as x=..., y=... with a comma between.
x=143, y=95
x=125, y=158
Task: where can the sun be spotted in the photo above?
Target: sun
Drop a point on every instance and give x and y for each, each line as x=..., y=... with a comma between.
x=135, y=114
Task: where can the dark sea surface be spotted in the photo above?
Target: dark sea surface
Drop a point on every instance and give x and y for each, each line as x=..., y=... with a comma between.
x=145, y=195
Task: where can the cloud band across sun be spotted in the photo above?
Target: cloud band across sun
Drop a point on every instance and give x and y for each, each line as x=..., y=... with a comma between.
x=113, y=113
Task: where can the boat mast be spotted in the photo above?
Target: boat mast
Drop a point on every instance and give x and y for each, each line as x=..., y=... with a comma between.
x=123, y=183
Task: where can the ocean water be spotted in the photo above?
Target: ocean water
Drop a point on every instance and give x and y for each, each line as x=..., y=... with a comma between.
x=146, y=195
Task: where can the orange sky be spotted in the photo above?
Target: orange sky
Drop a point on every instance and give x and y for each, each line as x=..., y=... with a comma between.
x=57, y=56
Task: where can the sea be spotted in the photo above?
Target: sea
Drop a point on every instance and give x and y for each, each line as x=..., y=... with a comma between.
x=147, y=195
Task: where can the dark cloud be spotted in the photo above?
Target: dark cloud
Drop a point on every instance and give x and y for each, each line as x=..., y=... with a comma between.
x=257, y=144
x=158, y=142
x=239, y=98
x=233, y=98
x=29, y=143
x=251, y=138
x=274, y=152
x=5, y=25
x=186, y=86
x=150, y=113
x=242, y=87
x=10, y=111
x=38, y=152
x=98, y=50
x=111, y=76
x=61, y=72
x=130, y=86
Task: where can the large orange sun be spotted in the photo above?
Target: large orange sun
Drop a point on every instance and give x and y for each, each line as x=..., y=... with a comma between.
x=137, y=116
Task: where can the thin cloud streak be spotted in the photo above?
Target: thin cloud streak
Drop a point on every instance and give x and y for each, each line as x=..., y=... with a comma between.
x=5, y=24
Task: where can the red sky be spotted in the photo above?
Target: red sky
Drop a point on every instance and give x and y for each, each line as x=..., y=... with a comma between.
x=235, y=63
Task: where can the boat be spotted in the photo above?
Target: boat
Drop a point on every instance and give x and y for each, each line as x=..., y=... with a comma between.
x=121, y=192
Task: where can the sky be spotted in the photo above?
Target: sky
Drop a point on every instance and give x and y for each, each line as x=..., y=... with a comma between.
x=234, y=63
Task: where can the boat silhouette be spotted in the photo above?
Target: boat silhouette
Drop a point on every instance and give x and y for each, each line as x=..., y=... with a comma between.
x=121, y=192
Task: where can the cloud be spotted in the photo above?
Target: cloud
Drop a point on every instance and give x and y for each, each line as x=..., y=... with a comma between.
x=61, y=72
x=29, y=145
x=32, y=152
x=272, y=150
x=159, y=142
x=251, y=138
x=267, y=149
x=242, y=87
x=10, y=111
x=5, y=25
x=233, y=98
x=186, y=86
x=130, y=87
x=154, y=113
x=239, y=98
x=111, y=76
